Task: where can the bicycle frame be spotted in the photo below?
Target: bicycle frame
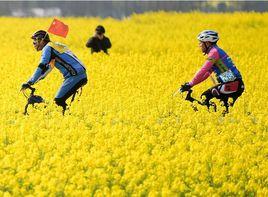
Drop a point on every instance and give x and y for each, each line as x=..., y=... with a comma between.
x=31, y=99
x=203, y=103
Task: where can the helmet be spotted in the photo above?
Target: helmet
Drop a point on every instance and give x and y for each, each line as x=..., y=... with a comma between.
x=208, y=36
x=100, y=29
x=41, y=34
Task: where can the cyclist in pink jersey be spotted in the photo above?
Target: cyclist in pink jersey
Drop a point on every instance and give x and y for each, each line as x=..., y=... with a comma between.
x=230, y=84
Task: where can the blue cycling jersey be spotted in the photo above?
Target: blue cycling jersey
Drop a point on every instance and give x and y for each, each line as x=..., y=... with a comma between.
x=59, y=56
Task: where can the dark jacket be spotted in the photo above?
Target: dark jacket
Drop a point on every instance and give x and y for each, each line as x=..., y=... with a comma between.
x=97, y=45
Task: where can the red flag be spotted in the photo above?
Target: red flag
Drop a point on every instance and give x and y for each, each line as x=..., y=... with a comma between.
x=58, y=28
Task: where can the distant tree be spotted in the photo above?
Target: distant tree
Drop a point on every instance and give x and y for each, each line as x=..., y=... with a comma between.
x=222, y=7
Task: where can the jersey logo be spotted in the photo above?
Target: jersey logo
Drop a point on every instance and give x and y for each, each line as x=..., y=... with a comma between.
x=68, y=67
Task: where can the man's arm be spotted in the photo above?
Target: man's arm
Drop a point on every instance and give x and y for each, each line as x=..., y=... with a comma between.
x=206, y=69
x=40, y=73
x=43, y=68
x=202, y=74
x=107, y=42
x=90, y=42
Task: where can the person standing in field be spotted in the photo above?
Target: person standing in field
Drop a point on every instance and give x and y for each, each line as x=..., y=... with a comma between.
x=99, y=42
x=59, y=56
x=230, y=83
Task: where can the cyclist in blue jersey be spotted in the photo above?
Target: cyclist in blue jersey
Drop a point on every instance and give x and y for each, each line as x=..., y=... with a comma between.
x=57, y=55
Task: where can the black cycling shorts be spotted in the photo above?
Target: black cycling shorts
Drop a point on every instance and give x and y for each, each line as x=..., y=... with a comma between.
x=232, y=89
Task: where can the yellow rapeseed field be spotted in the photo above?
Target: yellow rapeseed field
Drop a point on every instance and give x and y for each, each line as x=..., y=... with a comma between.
x=127, y=135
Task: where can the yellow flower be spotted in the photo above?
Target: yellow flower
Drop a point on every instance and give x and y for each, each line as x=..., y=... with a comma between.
x=127, y=135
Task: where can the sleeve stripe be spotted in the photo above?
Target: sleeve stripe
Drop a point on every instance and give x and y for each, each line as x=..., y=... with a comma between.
x=42, y=66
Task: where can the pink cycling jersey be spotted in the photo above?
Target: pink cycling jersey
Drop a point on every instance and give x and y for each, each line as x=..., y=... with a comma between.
x=219, y=62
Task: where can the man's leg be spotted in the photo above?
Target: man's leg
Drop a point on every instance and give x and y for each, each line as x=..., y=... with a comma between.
x=68, y=88
x=61, y=102
x=232, y=90
x=224, y=91
x=74, y=89
x=209, y=94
